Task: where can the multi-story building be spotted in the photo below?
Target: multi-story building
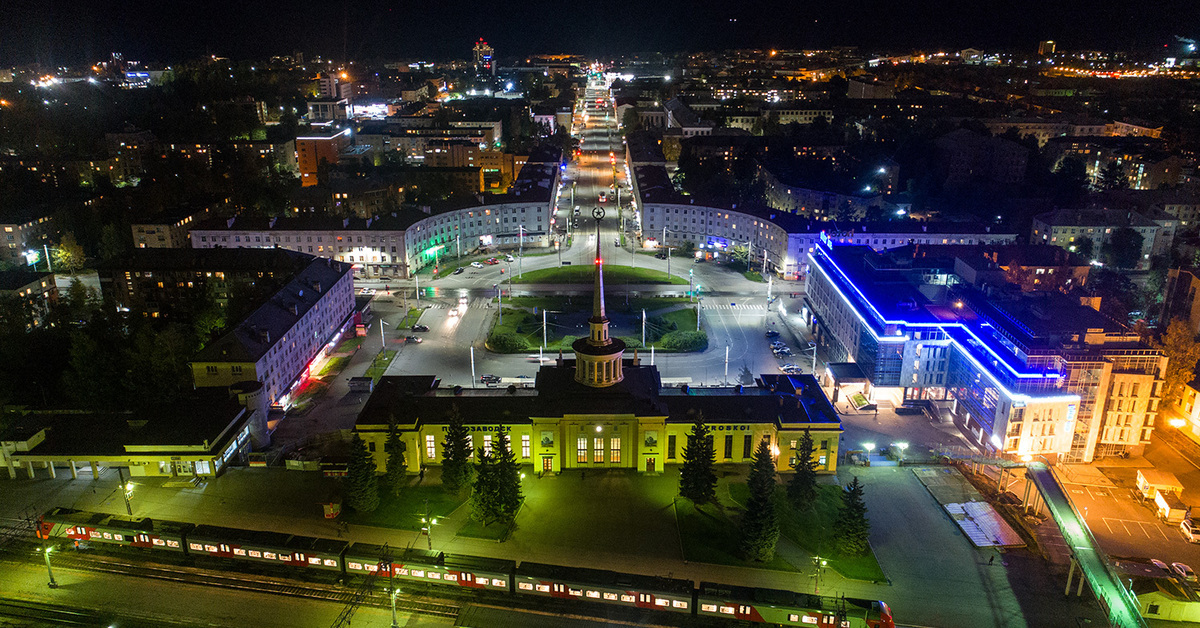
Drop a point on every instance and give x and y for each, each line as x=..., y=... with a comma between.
x=1179, y=297
x=168, y=230
x=274, y=156
x=1022, y=376
x=680, y=116
x=483, y=57
x=965, y=158
x=499, y=169
x=35, y=293
x=280, y=340
x=1064, y=227
x=127, y=153
x=779, y=240
x=365, y=197
x=327, y=110
x=24, y=231
x=822, y=203
x=319, y=144
x=413, y=142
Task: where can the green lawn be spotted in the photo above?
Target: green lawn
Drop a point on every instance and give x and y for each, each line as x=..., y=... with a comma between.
x=613, y=275
x=334, y=366
x=349, y=345
x=527, y=326
x=812, y=529
x=411, y=318
x=709, y=536
x=584, y=303
x=475, y=530
x=404, y=512
x=753, y=275
x=379, y=365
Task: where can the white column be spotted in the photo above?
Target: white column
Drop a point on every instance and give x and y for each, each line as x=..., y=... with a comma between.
x=29, y=468
x=74, y=471
x=50, y=465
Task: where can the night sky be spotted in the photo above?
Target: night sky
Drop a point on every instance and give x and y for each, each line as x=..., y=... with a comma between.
x=63, y=32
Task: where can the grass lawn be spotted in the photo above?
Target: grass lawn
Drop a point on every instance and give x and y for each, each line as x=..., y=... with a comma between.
x=812, y=529
x=476, y=530
x=584, y=303
x=410, y=319
x=684, y=319
x=379, y=365
x=404, y=511
x=528, y=326
x=349, y=345
x=709, y=536
x=334, y=366
x=754, y=275
x=613, y=275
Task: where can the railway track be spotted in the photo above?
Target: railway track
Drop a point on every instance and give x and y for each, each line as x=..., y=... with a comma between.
x=241, y=581
x=47, y=614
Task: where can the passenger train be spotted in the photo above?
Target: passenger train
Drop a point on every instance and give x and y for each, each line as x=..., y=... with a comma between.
x=466, y=573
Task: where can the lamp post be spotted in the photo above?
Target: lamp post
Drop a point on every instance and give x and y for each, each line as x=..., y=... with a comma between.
x=499, y=304
x=643, y=327
x=395, y=624
x=53, y=584
x=812, y=346
x=126, y=491
x=902, y=447
x=46, y=248
x=472, y=367
x=382, y=342
x=520, y=254
x=819, y=565
x=428, y=521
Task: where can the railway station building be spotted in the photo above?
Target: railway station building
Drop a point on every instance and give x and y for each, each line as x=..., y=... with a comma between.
x=604, y=410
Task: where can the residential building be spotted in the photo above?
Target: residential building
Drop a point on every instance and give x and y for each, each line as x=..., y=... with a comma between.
x=274, y=156
x=820, y=202
x=365, y=197
x=168, y=230
x=34, y=292
x=682, y=117
x=965, y=158
x=321, y=143
x=176, y=283
x=128, y=152
x=1064, y=227
x=1179, y=297
x=1021, y=375
x=25, y=231
x=328, y=110
x=280, y=340
x=483, y=54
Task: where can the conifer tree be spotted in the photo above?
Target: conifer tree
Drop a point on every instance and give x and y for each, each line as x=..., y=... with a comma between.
x=760, y=528
x=456, y=455
x=395, y=475
x=697, y=479
x=483, y=493
x=802, y=487
x=852, y=528
x=507, y=480
x=362, y=487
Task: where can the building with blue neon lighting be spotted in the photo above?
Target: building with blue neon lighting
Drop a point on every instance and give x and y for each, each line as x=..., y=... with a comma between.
x=1021, y=374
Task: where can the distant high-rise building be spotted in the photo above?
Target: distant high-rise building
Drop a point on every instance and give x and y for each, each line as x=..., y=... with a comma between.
x=1045, y=48
x=483, y=57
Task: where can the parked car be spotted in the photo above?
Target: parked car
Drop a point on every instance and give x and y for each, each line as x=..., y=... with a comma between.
x=491, y=261
x=420, y=327
x=416, y=339
x=476, y=265
x=1185, y=572
x=1161, y=565
x=1191, y=533
x=367, y=291
x=459, y=270
x=771, y=333
x=781, y=351
x=489, y=379
x=660, y=256
x=509, y=258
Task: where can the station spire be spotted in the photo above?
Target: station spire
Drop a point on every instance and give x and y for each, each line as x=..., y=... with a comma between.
x=598, y=357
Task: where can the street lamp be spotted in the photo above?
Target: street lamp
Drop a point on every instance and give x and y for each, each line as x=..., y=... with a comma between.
x=902, y=447
x=53, y=584
x=819, y=565
x=126, y=491
x=394, y=593
x=870, y=447
x=382, y=342
x=428, y=521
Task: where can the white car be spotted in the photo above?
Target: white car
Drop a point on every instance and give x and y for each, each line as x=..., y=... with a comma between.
x=367, y=291
x=1189, y=530
x=1185, y=572
x=452, y=312
x=476, y=265
x=509, y=258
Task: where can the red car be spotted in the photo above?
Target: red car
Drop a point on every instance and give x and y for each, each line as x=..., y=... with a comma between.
x=491, y=261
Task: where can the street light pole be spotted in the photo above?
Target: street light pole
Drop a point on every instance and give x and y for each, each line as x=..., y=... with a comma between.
x=53, y=584
x=126, y=491
x=417, y=283
x=520, y=253
x=544, y=328
x=472, y=367
x=46, y=248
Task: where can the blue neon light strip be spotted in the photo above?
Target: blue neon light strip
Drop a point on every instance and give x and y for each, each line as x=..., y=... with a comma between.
x=826, y=256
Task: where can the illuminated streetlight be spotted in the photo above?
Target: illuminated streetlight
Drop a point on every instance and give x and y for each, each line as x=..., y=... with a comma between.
x=46, y=554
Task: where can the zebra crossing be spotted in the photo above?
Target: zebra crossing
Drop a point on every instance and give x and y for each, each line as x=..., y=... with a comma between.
x=735, y=306
x=482, y=303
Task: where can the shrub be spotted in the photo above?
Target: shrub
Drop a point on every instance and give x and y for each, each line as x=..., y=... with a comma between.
x=685, y=341
x=506, y=343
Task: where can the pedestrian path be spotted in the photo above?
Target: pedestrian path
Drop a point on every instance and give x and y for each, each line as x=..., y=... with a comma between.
x=734, y=306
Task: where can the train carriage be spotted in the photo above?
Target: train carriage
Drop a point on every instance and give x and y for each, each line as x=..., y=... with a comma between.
x=604, y=587
x=487, y=574
x=94, y=527
x=263, y=547
x=789, y=608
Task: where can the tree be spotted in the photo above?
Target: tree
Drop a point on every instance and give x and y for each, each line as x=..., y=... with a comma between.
x=1112, y=177
x=362, y=487
x=802, y=488
x=1124, y=248
x=497, y=496
x=852, y=529
x=1084, y=246
x=112, y=245
x=395, y=474
x=630, y=121
x=456, y=455
x=1182, y=351
x=697, y=479
x=158, y=370
x=760, y=528
x=68, y=255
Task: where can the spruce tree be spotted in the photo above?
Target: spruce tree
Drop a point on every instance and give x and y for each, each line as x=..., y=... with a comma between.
x=697, y=479
x=456, y=455
x=760, y=528
x=396, y=472
x=506, y=480
x=483, y=493
x=362, y=488
x=802, y=487
x=852, y=529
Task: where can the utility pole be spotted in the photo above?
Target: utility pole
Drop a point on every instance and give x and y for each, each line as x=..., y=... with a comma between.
x=126, y=491
x=643, y=327
x=544, y=329
x=53, y=584
x=472, y=367
x=499, y=304
x=417, y=282
x=520, y=254
x=726, y=365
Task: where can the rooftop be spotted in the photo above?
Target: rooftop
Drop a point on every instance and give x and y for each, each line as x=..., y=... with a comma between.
x=13, y=280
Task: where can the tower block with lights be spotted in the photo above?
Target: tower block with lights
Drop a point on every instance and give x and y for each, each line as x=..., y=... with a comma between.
x=598, y=357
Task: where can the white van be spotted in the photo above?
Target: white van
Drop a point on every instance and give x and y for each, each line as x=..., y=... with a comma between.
x=1190, y=533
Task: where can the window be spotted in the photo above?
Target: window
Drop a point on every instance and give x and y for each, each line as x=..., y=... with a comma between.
x=581, y=455
x=487, y=443
x=525, y=446
x=747, y=452
x=430, y=446
x=670, y=446
x=614, y=449
x=598, y=455
x=211, y=370
x=728, y=446
x=236, y=369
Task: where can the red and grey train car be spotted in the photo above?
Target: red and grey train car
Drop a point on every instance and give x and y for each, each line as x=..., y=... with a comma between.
x=275, y=548
x=436, y=568
x=605, y=587
x=789, y=608
x=93, y=527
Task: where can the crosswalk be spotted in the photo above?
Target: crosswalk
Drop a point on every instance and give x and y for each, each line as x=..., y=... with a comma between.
x=734, y=306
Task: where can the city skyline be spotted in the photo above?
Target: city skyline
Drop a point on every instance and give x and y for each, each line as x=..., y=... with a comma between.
x=63, y=34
